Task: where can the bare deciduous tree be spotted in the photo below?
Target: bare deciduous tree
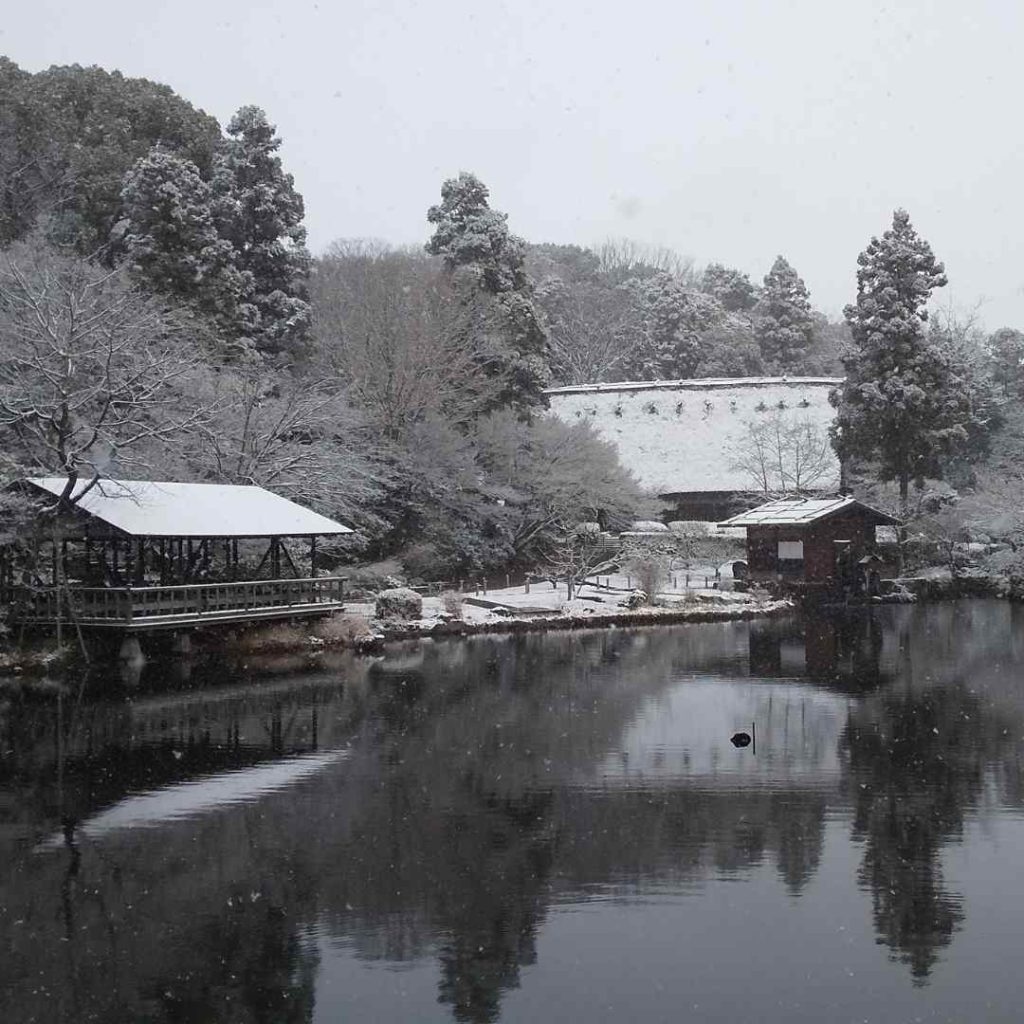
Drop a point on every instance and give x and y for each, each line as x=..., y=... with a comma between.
x=591, y=333
x=92, y=370
x=622, y=258
x=299, y=437
x=779, y=456
x=577, y=552
x=390, y=326
x=555, y=474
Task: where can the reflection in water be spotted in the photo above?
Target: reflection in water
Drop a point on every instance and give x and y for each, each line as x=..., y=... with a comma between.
x=918, y=762
x=844, y=651
x=199, y=796
x=444, y=808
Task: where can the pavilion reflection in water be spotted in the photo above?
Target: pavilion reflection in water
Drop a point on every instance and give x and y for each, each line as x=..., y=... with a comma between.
x=484, y=785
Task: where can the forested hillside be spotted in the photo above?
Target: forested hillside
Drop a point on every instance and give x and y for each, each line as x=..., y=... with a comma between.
x=161, y=317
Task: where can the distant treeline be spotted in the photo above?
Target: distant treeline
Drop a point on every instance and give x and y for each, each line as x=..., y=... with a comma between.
x=160, y=316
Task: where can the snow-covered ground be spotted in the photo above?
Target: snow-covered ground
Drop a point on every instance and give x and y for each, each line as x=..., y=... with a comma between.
x=545, y=599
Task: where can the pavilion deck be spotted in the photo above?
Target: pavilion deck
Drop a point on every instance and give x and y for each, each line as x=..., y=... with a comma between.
x=171, y=607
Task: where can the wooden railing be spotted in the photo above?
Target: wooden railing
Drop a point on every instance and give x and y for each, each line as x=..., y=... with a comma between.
x=135, y=606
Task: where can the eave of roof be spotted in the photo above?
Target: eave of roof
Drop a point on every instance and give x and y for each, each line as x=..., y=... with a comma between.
x=699, y=384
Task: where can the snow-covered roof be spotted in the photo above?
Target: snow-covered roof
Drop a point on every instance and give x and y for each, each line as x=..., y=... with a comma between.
x=683, y=436
x=801, y=511
x=148, y=508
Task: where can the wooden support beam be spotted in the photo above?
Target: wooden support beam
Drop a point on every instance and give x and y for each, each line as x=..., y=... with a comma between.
x=139, y=559
x=287, y=554
x=263, y=561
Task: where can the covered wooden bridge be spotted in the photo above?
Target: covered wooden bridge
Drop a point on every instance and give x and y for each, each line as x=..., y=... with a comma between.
x=144, y=555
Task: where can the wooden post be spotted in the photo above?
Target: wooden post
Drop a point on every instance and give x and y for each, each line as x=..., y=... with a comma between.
x=312, y=557
x=140, y=561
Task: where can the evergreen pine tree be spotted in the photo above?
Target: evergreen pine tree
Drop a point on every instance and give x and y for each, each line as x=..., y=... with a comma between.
x=784, y=324
x=1006, y=352
x=173, y=244
x=258, y=210
x=909, y=400
x=485, y=258
x=733, y=289
x=671, y=321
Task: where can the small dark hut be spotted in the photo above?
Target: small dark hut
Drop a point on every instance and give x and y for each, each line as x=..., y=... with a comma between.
x=810, y=540
x=140, y=554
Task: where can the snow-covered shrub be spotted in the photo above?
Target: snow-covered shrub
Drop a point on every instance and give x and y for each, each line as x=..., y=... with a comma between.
x=650, y=572
x=341, y=629
x=637, y=599
x=399, y=603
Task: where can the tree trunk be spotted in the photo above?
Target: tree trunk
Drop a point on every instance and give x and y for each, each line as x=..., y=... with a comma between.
x=901, y=530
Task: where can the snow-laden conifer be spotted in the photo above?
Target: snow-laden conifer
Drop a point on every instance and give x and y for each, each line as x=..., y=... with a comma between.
x=909, y=401
x=486, y=259
x=784, y=323
x=258, y=210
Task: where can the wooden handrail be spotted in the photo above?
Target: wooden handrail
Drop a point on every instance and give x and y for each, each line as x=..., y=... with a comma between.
x=128, y=604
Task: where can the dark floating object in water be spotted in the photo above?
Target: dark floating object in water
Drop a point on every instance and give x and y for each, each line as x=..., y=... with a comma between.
x=744, y=739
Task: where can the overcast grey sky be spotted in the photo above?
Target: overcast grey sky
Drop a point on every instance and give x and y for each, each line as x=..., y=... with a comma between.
x=729, y=131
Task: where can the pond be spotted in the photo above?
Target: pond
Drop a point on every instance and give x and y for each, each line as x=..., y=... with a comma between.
x=532, y=828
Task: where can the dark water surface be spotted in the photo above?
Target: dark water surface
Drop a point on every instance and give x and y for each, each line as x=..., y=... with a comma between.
x=542, y=828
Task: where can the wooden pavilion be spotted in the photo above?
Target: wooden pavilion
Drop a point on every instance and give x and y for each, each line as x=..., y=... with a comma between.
x=141, y=555
x=809, y=540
